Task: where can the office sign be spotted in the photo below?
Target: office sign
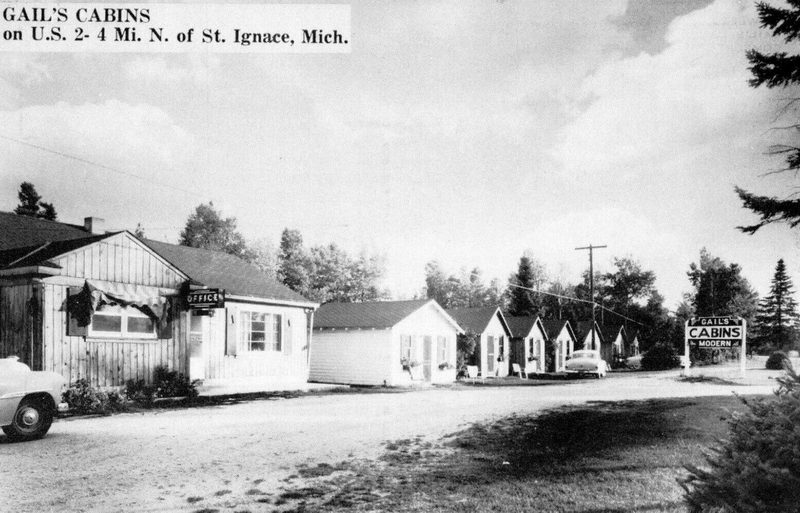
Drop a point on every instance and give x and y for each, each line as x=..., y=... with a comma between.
x=715, y=332
x=206, y=298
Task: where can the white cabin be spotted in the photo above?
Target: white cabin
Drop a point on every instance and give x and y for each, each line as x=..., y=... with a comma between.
x=384, y=343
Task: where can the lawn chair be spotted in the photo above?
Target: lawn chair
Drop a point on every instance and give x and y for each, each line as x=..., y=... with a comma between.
x=519, y=371
x=472, y=372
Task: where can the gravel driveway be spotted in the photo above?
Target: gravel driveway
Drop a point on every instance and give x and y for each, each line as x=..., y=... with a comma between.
x=162, y=460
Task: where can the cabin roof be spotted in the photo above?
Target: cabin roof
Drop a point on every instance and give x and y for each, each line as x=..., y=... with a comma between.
x=374, y=314
x=610, y=331
x=29, y=232
x=554, y=326
x=225, y=271
x=478, y=318
x=583, y=328
x=42, y=254
x=28, y=241
x=521, y=326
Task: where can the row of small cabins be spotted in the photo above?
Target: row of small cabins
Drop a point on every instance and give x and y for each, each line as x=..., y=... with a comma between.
x=109, y=307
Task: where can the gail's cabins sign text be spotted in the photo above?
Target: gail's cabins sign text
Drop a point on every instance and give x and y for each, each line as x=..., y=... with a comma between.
x=717, y=333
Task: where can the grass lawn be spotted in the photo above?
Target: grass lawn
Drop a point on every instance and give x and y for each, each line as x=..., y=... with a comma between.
x=601, y=457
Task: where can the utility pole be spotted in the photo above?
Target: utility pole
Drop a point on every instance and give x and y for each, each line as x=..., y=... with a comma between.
x=591, y=282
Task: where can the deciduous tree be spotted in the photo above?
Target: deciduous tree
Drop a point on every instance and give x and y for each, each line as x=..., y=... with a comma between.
x=294, y=264
x=466, y=290
x=720, y=289
x=207, y=229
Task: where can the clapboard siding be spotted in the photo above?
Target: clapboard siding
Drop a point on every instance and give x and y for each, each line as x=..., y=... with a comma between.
x=105, y=362
x=20, y=321
x=120, y=259
x=496, y=330
x=356, y=357
x=373, y=357
x=564, y=347
x=288, y=366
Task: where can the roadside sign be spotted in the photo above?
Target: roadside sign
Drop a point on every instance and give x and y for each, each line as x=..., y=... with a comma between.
x=206, y=298
x=717, y=333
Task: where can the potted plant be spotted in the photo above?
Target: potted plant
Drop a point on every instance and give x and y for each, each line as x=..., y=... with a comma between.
x=408, y=364
x=446, y=365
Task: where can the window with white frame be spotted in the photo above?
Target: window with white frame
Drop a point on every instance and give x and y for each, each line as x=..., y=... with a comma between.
x=441, y=349
x=405, y=347
x=121, y=322
x=261, y=331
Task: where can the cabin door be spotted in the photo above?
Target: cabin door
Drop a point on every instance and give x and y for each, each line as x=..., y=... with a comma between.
x=198, y=337
x=517, y=354
x=490, y=362
x=427, y=351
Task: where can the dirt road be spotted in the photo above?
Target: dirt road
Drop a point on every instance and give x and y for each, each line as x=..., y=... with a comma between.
x=170, y=460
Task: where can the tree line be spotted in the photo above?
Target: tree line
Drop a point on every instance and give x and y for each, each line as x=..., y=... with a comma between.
x=626, y=295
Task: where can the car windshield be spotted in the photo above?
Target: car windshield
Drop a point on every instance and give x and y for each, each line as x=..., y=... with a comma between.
x=584, y=354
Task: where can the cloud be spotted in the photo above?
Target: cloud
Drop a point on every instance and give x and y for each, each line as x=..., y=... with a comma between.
x=17, y=72
x=172, y=71
x=647, y=108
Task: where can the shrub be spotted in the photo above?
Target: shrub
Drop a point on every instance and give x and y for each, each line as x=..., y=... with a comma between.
x=660, y=357
x=174, y=384
x=166, y=383
x=757, y=470
x=778, y=360
x=140, y=392
x=84, y=398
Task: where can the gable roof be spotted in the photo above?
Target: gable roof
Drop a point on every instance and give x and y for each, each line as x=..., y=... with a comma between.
x=478, y=318
x=553, y=327
x=27, y=241
x=225, y=271
x=23, y=232
x=583, y=328
x=41, y=254
x=522, y=326
x=374, y=314
x=610, y=331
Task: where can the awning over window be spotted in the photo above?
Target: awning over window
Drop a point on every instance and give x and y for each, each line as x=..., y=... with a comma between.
x=125, y=295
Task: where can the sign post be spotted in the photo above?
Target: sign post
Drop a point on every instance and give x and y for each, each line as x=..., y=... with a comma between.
x=717, y=333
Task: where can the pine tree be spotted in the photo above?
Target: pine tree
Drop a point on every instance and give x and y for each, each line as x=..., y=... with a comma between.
x=522, y=300
x=778, y=69
x=28, y=200
x=776, y=322
x=31, y=204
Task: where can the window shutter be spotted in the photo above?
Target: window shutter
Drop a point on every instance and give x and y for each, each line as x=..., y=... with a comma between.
x=74, y=329
x=164, y=326
x=287, y=336
x=230, y=332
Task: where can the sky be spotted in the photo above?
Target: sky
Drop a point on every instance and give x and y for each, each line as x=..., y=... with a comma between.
x=466, y=132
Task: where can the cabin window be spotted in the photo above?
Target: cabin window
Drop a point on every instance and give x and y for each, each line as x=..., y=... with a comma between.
x=502, y=347
x=441, y=349
x=122, y=322
x=405, y=347
x=261, y=331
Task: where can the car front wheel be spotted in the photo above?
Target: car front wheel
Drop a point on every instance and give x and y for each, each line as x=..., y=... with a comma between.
x=32, y=420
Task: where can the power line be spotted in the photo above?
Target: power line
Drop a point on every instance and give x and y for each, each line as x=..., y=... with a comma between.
x=575, y=299
x=98, y=165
